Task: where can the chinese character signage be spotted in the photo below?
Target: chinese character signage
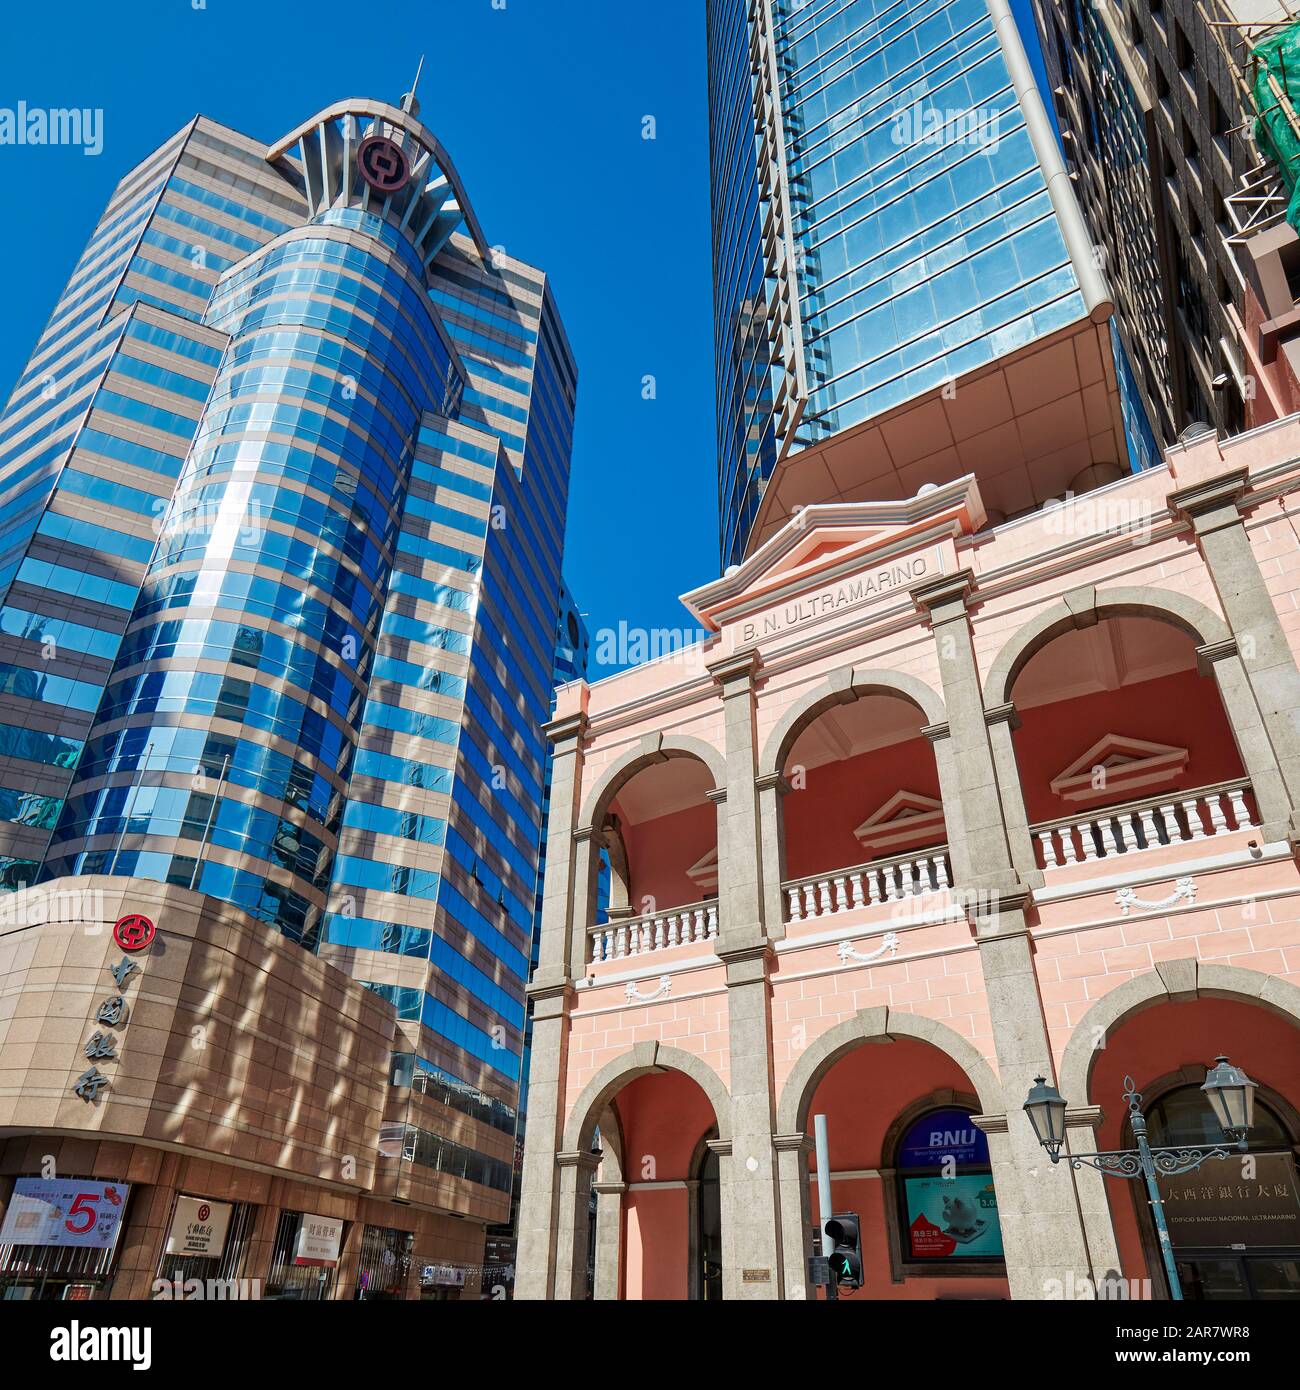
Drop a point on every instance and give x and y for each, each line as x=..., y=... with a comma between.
x=318, y=1241
x=953, y=1218
x=64, y=1211
x=1220, y=1207
x=198, y=1227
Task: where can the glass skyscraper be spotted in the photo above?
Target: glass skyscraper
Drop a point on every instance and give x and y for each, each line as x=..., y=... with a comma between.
x=887, y=218
x=284, y=488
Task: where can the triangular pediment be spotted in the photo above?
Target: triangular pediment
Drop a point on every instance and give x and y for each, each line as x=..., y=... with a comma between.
x=906, y=819
x=704, y=872
x=828, y=542
x=1117, y=764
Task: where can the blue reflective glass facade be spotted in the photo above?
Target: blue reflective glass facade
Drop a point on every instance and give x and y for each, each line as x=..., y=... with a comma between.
x=922, y=236
x=279, y=620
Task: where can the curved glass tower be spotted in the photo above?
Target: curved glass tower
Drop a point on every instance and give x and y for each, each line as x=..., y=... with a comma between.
x=234, y=706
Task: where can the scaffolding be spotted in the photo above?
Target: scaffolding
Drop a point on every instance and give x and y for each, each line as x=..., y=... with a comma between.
x=1261, y=38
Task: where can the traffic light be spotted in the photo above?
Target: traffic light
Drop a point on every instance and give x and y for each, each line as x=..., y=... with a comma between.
x=844, y=1241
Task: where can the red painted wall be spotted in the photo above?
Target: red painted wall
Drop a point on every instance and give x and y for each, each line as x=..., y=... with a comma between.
x=862, y=1096
x=657, y=1233
x=664, y=1116
x=1182, y=710
x=1157, y=1043
x=660, y=851
x=839, y=796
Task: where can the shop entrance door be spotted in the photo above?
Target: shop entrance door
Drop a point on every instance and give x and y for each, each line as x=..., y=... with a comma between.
x=1214, y=1277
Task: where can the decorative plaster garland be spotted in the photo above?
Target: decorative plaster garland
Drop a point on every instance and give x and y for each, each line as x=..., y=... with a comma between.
x=661, y=991
x=1184, y=890
x=888, y=947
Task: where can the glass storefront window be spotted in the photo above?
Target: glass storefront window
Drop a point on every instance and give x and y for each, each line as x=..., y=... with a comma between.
x=385, y=1264
x=300, y=1267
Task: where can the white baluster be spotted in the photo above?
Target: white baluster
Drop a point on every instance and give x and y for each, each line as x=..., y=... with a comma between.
x=673, y=938
x=873, y=885
x=891, y=888
x=1087, y=840
x=796, y=905
x=905, y=868
x=658, y=938
x=941, y=863
x=923, y=875
x=810, y=901
x=621, y=948
x=713, y=924
x=824, y=897
x=1169, y=819
x=1051, y=859
x=1218, y=820
x=1116, y=833
x=1194, y=819
x=1240, y=812
x=1128, y=828
x=859, y=899
x=841, y=895
x=1149, y=832
x=634, y=939
x=1069, y=850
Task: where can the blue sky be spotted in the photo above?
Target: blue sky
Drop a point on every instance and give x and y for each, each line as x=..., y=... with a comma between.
x=541, y=104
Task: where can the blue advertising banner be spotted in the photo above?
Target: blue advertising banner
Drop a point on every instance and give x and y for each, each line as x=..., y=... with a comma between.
x=944, y=1134
x=953, y=1218
x=67, y=1211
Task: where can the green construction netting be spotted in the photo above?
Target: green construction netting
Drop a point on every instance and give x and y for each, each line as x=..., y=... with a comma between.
x=1279, y=59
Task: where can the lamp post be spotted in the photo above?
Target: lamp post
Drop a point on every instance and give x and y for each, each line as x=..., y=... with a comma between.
x=1231, y=1094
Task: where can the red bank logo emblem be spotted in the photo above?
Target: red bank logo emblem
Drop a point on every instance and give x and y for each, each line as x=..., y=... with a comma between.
x=383, y=164
x=133, y=933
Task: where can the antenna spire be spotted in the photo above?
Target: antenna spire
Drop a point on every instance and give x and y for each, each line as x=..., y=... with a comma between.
x=409, y=102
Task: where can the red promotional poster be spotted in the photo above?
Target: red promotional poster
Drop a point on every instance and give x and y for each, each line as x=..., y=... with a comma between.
x=929, y=1242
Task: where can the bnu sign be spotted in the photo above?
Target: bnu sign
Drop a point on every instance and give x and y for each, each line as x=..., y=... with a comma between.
x=889, y=579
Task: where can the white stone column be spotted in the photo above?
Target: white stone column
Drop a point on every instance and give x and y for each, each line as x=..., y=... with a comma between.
x=1042, y=1226
x=609, y=1238
x=1214, y=510
x=551, y=996
x=796, y=1212
x=772, y=790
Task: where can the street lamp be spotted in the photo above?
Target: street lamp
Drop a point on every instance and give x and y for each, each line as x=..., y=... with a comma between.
x=1231, y=1094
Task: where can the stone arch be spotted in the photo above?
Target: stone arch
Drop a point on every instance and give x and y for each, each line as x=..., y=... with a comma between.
x=881, y=1024
x=654, y=748
x=612, y=1146
x=1170, y=981
x=613, y=1076
x=1085, y=608
x=842, y=688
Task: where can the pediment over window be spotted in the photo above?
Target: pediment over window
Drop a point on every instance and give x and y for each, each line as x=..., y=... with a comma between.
x=906, y=820
x=704, y=872
x=1130, y=765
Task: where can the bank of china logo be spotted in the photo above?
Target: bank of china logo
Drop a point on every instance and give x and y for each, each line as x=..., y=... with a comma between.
x=383, y=164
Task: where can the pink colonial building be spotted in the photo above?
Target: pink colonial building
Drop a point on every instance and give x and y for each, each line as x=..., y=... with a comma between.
x=937, y=808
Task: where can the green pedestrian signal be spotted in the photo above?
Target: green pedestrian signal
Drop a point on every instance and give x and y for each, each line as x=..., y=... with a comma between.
x=844, y=1242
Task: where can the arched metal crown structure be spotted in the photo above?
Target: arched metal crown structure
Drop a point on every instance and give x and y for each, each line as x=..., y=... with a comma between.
x=429, y=206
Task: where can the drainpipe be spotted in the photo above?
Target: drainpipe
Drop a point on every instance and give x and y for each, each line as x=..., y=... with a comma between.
x=1079, y=242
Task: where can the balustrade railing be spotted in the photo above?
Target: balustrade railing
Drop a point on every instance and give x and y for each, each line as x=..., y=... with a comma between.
x=883, y=881
x=1167, y=820
x=620, y=940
